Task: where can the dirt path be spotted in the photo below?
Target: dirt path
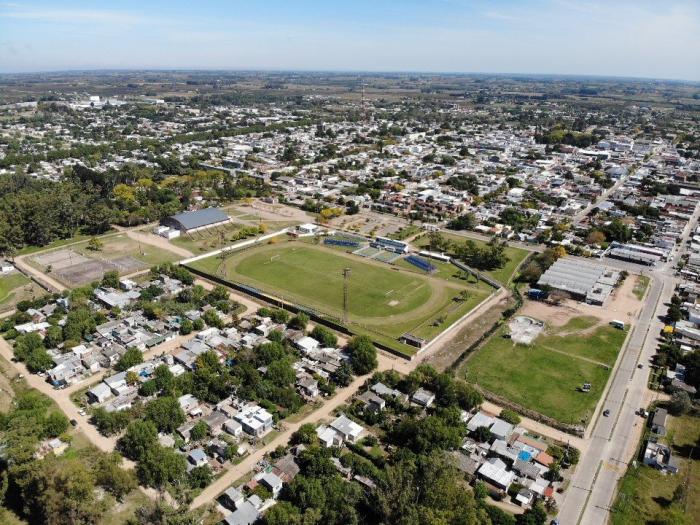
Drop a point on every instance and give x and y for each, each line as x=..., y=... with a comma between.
x=64, y=403
x=37, y=275
x=575, y=356
x=250, y=305
x=158, y=242
x=245, y=466
x=385, y=362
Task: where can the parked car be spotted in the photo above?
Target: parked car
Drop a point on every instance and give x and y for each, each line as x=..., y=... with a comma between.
x=606, y=412
x=74, y=422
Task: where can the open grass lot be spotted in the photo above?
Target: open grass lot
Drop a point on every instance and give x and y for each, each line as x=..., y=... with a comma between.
x=502, y=275
x=121, y=245
x=384, y=300
x=208, y=240
x=581, y=338
x=646, y=495
x=57, y=244
x=546, y=375
x=640, y=286
x=14, y=288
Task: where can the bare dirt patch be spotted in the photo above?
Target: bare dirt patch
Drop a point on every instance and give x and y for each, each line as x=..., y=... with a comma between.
x=524, y=330
x=622, y=305
x=60, y=259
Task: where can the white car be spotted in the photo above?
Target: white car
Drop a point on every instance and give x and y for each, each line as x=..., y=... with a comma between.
x=81, y=412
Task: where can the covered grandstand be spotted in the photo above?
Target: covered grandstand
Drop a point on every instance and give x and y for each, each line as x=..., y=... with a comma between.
x=585, y=281
x=192, y=221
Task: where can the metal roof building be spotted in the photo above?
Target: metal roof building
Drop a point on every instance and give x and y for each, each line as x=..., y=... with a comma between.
x=191, y=221
x=582, y=279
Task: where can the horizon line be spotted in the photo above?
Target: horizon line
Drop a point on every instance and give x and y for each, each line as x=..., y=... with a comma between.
x=340, y=71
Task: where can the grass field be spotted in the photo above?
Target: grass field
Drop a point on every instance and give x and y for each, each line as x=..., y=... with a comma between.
x=27, y=250
x=546, y=375
x=384, y=300
x=207, y=240
x=503, y=275
x=646, y=495
x=123, y=246
x=640, y=286
x=14, y=288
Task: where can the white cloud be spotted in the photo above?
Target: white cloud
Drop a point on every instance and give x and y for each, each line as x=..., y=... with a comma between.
x=90, y=16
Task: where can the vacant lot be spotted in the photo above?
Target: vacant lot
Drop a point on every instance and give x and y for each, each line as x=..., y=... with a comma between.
x=503, y=275
x=640, y=286
x=547, y=375
x=646, y=495
x=78, y=264
x=382, y=299
x=14, y=288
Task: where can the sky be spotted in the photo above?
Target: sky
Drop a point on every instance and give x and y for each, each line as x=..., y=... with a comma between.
x=627, y=38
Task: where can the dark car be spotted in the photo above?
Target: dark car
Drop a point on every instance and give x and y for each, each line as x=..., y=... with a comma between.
x=74, y=422
x=606, y=412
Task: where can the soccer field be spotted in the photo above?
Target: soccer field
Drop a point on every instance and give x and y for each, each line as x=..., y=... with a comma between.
x=546, y=375
x=384, y=299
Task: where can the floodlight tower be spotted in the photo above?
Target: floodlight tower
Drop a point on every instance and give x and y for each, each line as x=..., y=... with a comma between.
x=346, y=276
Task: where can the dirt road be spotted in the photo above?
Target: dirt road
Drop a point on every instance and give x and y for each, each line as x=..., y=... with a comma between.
x=385, y=362
x=41, y=277
x=232, y=474
x=62, y=399
x=158, y=242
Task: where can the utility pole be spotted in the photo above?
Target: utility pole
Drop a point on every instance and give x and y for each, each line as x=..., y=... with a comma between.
x=346, y=276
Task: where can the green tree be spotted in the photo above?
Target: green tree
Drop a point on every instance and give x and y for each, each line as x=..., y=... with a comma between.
x=109, y=475
x=680, y=403
x=304, y=435
x=161, y=465
x=284, y=513
x=110, y=279
x=281, y=373
x=199, y=431
x=53, y=337
x=299, y=322
x=165, y=413
x=363, y=354
x=39, y=360
x=95, y=244
x=140, y=436
x=200, y=477
x=510, y=416
x=132, y=357
x=55, y=424
x=324, y=336
x=186, y=327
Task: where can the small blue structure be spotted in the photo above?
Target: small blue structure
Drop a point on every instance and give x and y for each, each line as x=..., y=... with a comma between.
x=524, y=455
x=341, y=242
x=421, y=263
x=536, y=294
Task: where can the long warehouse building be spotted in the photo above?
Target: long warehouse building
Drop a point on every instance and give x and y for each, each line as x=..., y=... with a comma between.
x=585, y=281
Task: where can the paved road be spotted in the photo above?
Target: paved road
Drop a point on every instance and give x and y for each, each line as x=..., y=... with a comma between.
x=614, y=438
x=603, y=196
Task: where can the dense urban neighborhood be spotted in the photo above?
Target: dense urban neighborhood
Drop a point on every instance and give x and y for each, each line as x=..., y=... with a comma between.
x=325, y=298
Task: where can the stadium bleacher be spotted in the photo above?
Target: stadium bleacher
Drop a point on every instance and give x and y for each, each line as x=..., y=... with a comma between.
x=420, y=263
